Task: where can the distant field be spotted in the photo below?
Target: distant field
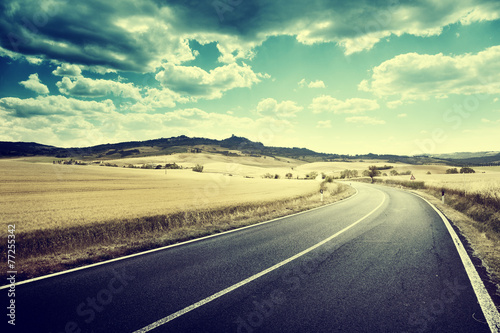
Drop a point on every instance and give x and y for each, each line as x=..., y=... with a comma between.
x=486, y=183
x=40, y=196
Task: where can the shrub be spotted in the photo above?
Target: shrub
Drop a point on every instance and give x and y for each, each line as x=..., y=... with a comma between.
x=467, y=170
x=172, y=166
x=289, y=175
x=312, y=175
x=393, y=172
x=198, y=168
x=452, y=170
x=268, y=175
x=348, y=173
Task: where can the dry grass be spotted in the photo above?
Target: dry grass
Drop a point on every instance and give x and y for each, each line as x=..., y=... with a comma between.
x=45, y=196
x=68, y=216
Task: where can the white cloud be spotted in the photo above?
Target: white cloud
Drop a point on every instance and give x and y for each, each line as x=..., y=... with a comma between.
x=312, y=84
x=316, y=84
x=394, y=104
x=488, y=121
x=324, y=124
x=365, y=120
x=85, y=87
x=198, y=83
x=414, y=76
x=66, y=69
x=156, y=99
x=327, y=103
x=34, y=83
x=53, y=105
x=71, y=123
x=284, y=109
x=402, y=115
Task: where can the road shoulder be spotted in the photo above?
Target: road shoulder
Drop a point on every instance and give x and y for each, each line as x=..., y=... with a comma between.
x=480, y=248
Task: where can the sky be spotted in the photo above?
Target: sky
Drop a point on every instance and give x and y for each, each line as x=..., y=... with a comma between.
x=345, y=77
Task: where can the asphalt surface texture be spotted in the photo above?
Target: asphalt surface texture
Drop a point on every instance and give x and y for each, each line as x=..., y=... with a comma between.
x=380, y=261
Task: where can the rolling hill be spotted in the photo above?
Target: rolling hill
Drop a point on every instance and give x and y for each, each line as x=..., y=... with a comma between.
x=232, y=146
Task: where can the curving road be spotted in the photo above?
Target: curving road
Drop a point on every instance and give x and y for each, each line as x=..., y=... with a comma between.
x=381, y=261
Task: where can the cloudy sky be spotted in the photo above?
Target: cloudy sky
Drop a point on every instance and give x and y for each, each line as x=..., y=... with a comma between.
x=403, y=77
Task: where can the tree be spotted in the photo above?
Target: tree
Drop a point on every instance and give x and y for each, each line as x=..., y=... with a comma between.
x=467, y=170
x=373, y=171
x=198, y=168
x=452, y=170
x=312, y=175
x=393, y=172
x=289, y=175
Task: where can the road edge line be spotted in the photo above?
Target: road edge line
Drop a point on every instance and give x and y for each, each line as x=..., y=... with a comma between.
x=485, y=302
x=43, y=277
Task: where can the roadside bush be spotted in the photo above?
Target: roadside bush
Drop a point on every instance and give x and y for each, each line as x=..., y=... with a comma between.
x=329, y=179
x=198, y=168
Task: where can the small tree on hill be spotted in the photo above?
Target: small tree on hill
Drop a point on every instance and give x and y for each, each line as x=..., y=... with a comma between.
x=198, y=168
x=467, y=170
x=373, y=171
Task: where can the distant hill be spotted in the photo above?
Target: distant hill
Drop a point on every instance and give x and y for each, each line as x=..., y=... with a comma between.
x=233, y=146
x=467, y=155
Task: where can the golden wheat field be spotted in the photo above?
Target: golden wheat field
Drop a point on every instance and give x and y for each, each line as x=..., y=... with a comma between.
x=41, y=195
x=485, y=183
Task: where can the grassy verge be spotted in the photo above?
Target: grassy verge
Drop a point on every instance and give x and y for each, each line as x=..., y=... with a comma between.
x=477, y=217
x=47, y=251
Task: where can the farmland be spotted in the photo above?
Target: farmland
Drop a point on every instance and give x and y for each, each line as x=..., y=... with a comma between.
x=68, y=215
x=40, y=196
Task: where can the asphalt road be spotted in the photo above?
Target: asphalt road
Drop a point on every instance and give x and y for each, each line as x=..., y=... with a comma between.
x=381, y=261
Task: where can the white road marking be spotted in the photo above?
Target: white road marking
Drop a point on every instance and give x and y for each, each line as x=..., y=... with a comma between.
x=173, y=245
x=251, y=278
x=489, y=309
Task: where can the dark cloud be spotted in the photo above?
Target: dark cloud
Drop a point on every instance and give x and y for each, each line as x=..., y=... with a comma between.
x=140, y=35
